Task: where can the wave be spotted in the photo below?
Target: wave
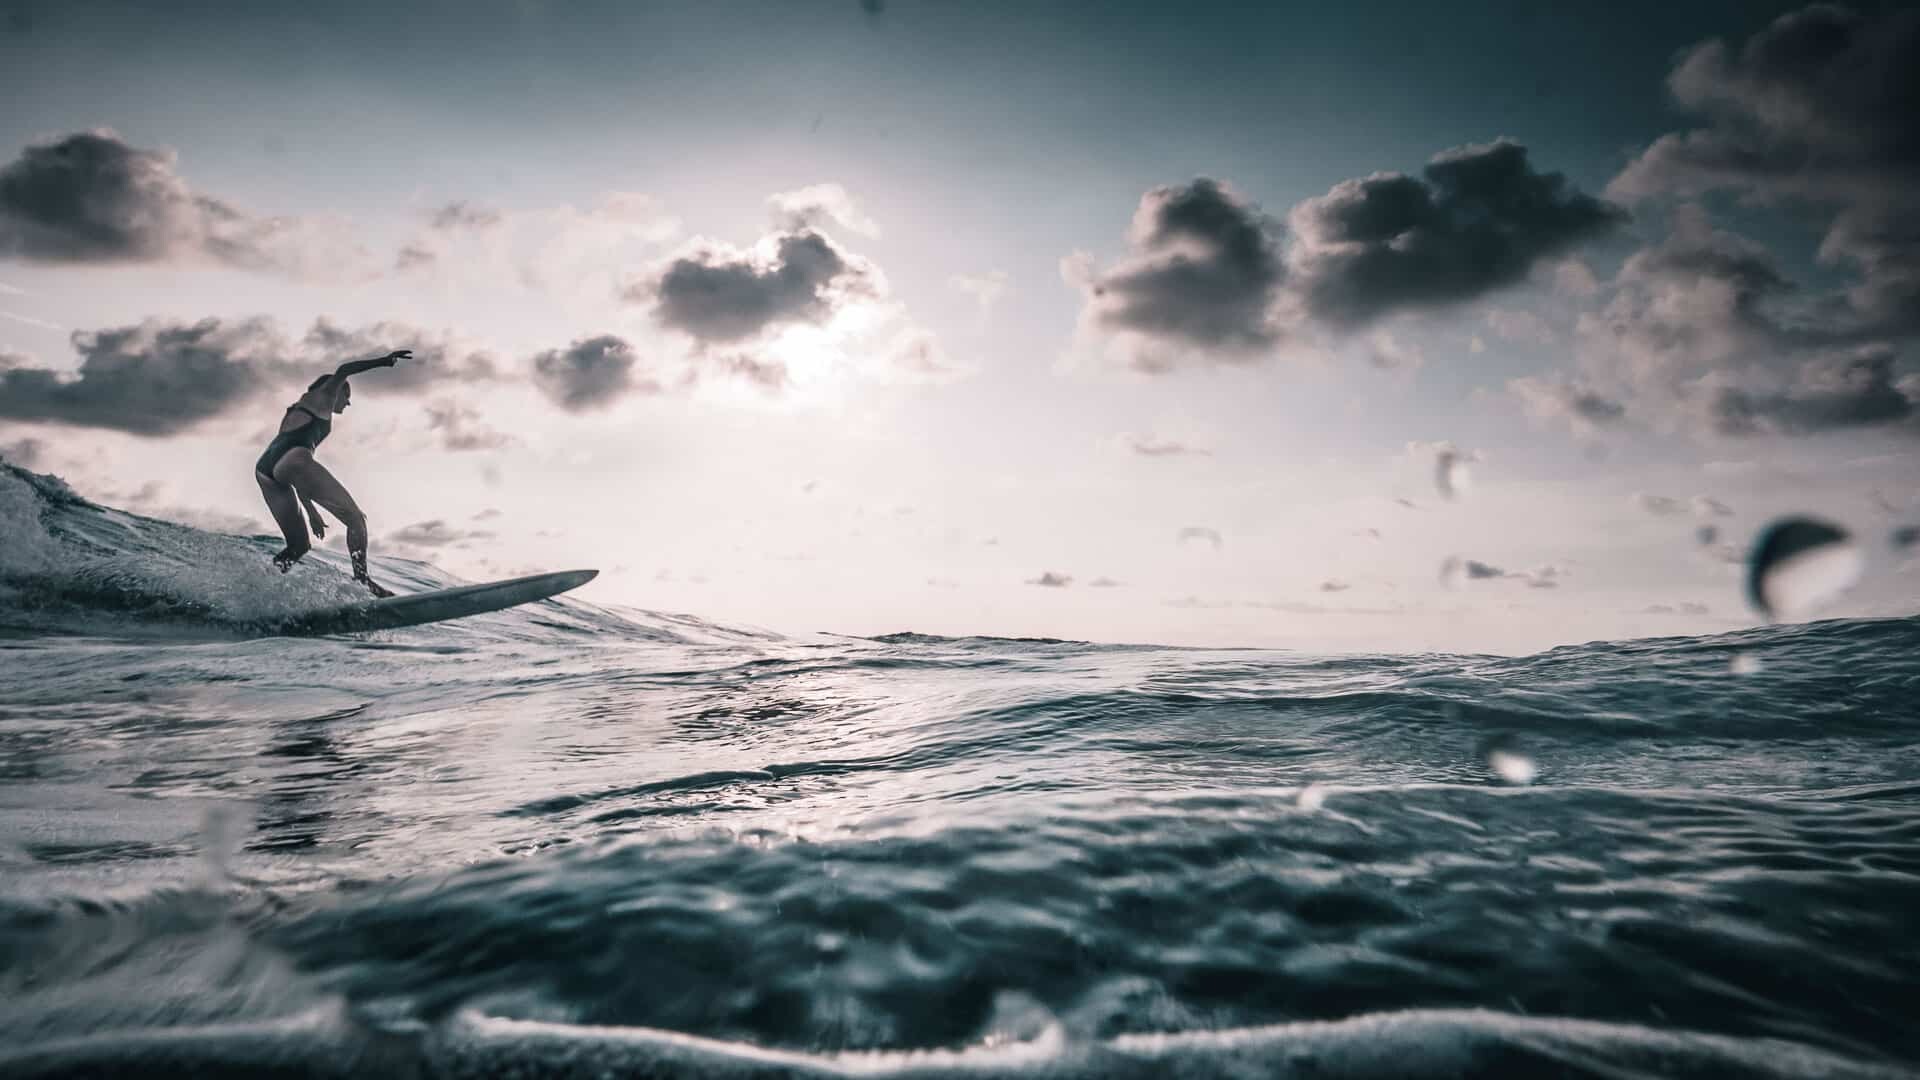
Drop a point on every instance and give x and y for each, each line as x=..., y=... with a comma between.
x=72, y=566
x=328, y=1042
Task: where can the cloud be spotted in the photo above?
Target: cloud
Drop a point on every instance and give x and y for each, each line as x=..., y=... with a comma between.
x=592, y=373
x=1155, y=447
x=488, y=514
x=1549, y=399
x=153, y=379
x=986, y=289
x=1545, y=577
x=435, y=533
x=719, y=295
x=817, y=206
x=1331, y=586
x=1479, y=218
x=1659, y=505
x=1203, y=278
x=1702, y=333
x=1103, y=583
x=1707, y=506
x=461, y=214
x=438, y=360
x=1684, y=608
x=769, y=375
x=1856, y=389
x=414, y=257
x=1573, y=277
x=1052, y=580
x=1201, y=532
x=90, y=198
x=1524, y=327
x=1454, y=571
x=1208, y=278
x=461, y=428
x=159, y=378
x=1389, y=353
x=1815, y=108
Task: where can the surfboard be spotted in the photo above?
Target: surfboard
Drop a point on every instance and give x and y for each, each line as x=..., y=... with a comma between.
x=416, y=608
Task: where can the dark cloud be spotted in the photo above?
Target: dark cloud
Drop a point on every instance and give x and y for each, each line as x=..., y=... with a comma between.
x=1831, y=393
x=23, y=452
x=592, y=373
x=1334, y=586
x=1559, y=399
x=1205, y=274
x=91, y=198
x=435, y=533
x=437, y=361
x=159, y=378
x=461, y=429
x=1052, y=580
x=1479, y=218
x=463, y=215
x=1703, y=333
x=1817, y=108
x=153, y=379
x=1478, y=570
x=718, y=297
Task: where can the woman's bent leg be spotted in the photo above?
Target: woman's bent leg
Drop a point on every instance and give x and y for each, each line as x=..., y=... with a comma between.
x=315, y=482
x=286, y=514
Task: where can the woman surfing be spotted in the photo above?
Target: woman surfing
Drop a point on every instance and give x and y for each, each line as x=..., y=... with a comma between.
x=288, y=471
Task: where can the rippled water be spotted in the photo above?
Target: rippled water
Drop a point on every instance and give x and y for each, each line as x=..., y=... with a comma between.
x=564, y=841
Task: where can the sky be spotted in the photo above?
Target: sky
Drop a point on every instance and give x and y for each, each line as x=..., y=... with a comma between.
x=1329, y=327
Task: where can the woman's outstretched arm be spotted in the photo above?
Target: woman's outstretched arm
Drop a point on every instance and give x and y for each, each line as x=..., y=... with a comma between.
x=355, y=367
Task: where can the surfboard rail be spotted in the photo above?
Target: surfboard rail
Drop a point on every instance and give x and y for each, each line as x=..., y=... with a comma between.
x=440, y=605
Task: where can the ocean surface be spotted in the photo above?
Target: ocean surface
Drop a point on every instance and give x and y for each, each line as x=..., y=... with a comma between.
x=567, y=841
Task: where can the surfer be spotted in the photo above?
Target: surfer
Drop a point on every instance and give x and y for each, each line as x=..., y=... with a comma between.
x=288, y=471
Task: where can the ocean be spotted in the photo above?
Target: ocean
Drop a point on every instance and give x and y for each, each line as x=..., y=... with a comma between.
x=571, y=841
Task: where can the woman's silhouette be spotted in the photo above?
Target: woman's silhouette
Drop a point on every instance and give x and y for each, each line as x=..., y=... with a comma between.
x=288, y=471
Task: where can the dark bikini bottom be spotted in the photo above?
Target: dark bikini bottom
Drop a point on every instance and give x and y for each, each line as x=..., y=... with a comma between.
x=278, y=448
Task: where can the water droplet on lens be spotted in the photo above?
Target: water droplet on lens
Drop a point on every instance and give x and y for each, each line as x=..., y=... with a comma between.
x=1706, y=535
x=222, y=830
x=1905, y=537
x=1800, y=564
x=1451, y=474
x=1512, y=767
x=1744, y=663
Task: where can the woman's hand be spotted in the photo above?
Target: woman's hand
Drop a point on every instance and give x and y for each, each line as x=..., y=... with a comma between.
x=319, y=525
x=397, y=355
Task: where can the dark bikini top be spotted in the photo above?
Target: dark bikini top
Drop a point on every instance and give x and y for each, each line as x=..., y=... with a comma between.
x=312, y=433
